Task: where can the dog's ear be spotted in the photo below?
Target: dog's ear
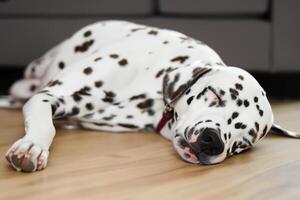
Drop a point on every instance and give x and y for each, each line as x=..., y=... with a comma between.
x=276, y=129
x=177, y=80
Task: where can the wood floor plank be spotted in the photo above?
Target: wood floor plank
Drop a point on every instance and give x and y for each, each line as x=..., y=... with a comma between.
x=92, y=165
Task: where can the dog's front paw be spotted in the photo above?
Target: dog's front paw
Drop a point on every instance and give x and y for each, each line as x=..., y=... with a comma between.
x=26, y=156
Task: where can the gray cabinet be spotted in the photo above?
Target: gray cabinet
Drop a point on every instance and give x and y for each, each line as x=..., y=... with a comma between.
x=257, y=35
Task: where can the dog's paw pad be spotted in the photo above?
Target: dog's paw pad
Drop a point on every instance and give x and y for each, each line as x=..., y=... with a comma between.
x=27, y=165
x=26, y=156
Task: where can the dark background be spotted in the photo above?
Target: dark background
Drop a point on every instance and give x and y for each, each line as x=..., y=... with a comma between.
x=261, y=36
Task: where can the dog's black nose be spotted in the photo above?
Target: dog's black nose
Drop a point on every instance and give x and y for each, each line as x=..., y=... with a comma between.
x=210, y=142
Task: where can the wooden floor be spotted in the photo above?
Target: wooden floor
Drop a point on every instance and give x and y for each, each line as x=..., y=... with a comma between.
x=93, y=165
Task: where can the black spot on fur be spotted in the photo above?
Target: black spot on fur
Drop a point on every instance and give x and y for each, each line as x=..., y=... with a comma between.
x=109, y=97
x=234, y=115
x=225, y=136
x=170, y=69
x=257, y=107
x=131, y=126
x=50, y=95
x=152, y=32
x=110, y=93
x=265, y=130
x=109, y=117
x=202, y=93
x=43, y=91
x=176, y=115
x=138, y=29
x=53, y=109
x=150, y=112
x=149, y=127
x=238, y=125
x=145, y=104
x=180, y=59
x=114, y=55
x=89, y=106
x=84, y=46
x=61, y=65
x=238, y=86
x=253, y=134
x=54, y=83
x=187, y=91
x=243, y=126
x=32, y=88
x=247, y=141
x=239, y=102
x=255, y=99
x=222, y=92
x=257, y=126
x=82, y=92
x=89, y=115
x=87, y=33
x=233, y=91
x=76, y=97
x=60, y=114
x=241, y=77
x=208, y=120
x=233, y=97
x=61, y=100
x=213, y=103
x=45, y=100
x=98, y=84
x=101, y=111
x=246, y=103
x=165, y=42
x=102, y=124
x=88, y=70
x=261, y=113
x=229, y=121
x=75, y=111
x=159, y=73
x=98, y=58
x=140, y=96
x=129, y=116
x=234, y=147
x=189, y=100
x=123, y=62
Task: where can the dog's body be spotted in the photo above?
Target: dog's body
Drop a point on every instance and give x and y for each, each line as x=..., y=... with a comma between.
x=118, y=76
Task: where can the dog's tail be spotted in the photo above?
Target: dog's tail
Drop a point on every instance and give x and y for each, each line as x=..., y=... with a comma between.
x=276, y=129
x=10, y=102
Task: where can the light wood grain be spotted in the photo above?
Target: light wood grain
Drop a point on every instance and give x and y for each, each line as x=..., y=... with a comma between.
x=94, y=165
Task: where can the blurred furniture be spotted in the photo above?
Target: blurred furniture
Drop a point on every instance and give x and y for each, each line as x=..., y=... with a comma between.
x=257, y=35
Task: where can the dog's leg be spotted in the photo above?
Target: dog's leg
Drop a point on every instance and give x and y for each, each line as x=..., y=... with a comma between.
x=30, y=153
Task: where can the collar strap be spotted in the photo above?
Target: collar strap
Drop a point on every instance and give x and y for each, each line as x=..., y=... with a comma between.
x=167, y=115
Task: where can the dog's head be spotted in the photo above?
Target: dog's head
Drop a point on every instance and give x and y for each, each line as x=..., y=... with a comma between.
x=218, y=111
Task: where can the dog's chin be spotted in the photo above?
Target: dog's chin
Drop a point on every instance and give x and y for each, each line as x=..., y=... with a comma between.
x=187, y=153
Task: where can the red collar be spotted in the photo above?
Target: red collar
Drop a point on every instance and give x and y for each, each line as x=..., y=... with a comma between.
x=167, y=115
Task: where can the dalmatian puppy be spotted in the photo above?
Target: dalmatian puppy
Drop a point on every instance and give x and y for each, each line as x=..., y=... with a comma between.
x=120, y=76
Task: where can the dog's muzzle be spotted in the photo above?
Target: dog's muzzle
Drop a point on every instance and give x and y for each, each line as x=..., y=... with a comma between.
x=201, y=146
x=208, y=143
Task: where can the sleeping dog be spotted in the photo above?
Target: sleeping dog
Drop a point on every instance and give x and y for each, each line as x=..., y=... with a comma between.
x=120, y=76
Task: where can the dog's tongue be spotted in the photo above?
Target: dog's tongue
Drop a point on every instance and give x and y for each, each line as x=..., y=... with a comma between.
x=190, y=152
